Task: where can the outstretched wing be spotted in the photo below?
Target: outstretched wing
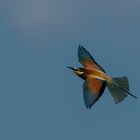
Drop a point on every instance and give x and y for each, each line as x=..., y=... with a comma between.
x=92, y=91
x=87, y=60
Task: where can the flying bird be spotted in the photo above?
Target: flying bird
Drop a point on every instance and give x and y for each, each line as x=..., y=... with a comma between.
x=96, y=79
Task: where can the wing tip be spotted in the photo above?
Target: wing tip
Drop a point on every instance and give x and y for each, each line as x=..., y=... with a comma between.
x=81, y=47
x=88, y=106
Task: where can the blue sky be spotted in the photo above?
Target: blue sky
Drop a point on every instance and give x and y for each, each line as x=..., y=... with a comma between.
x=39, y=97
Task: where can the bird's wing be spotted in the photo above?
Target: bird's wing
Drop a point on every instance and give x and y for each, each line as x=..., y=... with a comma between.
x=87, y=60
x=92, y=90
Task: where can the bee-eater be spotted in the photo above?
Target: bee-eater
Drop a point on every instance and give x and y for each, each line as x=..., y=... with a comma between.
x=96, y=80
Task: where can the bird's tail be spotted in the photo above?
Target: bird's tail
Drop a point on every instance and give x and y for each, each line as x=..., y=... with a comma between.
x=119, y=89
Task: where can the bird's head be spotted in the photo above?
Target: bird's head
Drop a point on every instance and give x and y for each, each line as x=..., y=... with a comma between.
x=78, y=71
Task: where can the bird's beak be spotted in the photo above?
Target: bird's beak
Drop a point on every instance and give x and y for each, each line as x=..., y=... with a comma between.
x=71, y=68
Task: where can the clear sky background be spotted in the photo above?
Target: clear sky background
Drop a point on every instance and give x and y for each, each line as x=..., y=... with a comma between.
x=40, y=99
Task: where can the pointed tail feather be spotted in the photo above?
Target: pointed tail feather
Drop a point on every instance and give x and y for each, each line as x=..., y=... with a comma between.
x=119, y=89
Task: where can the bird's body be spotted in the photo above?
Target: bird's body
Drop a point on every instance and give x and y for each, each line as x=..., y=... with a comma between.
x=97, y=74
x=96, y=80
x=92, y=73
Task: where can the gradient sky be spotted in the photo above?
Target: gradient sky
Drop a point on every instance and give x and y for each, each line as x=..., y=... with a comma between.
x=40, y=99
